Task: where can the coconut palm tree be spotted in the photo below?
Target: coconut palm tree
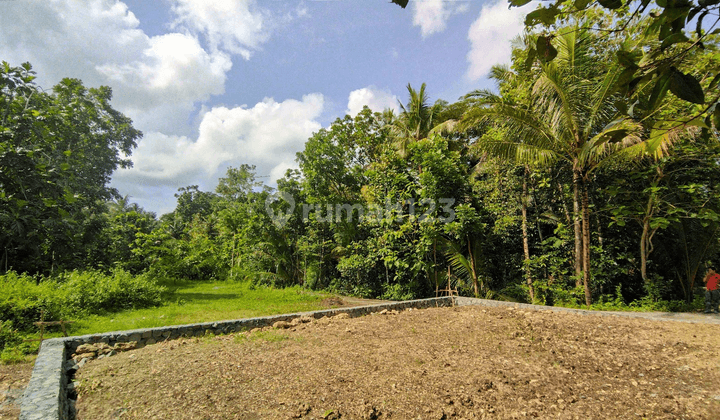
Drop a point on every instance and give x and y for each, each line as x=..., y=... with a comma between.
x=562, y=111
x=416, y=119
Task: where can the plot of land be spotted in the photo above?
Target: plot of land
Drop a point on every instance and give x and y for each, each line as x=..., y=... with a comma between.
x=13, y=380
x=469, y=362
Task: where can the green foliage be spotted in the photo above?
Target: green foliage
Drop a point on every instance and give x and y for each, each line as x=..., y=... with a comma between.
x=70, y=295
x=58, y=149
x=8, y=335
x=93, y=292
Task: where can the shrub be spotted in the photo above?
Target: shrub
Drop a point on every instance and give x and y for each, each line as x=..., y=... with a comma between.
x=8, y=335
x=93, y=292
x=23, y=300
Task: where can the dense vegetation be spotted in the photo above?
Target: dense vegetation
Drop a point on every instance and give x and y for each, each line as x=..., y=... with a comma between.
x=579, y=181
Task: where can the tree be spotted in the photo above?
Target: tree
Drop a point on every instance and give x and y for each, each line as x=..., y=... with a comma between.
x=58, y=150
x=652, y=58
x=416, y=119
x=569, y=116
x=238, y=183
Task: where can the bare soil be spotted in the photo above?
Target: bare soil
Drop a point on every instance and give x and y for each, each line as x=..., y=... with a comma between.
x=442, y=363
x=13, y=380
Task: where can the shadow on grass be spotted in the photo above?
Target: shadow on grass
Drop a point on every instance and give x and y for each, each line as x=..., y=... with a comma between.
x=204, y=297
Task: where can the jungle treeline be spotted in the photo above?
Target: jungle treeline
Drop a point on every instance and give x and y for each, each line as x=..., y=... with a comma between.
x=588, y=176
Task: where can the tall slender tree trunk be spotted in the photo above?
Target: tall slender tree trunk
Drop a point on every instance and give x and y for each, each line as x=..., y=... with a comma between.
x=526, y=246
x=578, y=227
x=646, y=239
x=568, y=218
x=586, y=242
x=474, y=272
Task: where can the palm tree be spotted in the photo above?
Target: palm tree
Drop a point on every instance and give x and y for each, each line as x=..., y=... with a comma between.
x=416, y=119
x=567, y=116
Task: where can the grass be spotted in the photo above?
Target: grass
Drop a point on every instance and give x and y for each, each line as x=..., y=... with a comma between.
x=204, y=302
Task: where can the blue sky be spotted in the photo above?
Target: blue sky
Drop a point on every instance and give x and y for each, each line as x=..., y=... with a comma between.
x=217, y=83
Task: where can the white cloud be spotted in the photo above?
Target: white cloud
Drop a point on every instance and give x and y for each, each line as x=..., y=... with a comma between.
x=490, y=36
x=376, y=99
x=432, y=15
x=155, y=80
x=235, y=26
x=267, y=135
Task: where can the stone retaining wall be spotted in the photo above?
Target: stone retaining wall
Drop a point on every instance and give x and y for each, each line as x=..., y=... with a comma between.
x=46, y=396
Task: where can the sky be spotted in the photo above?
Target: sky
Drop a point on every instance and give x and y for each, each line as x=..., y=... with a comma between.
x=219, y=83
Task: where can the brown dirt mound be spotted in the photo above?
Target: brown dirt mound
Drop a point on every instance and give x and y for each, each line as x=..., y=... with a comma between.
x=442, y=363
x=333, y=302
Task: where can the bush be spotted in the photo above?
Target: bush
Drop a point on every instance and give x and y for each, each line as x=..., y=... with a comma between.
x=25, y=299
x=8, y=336
x=92, y=292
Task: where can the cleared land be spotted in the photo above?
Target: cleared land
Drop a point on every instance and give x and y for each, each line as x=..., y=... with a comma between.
x=13, y=380
x=469, y=362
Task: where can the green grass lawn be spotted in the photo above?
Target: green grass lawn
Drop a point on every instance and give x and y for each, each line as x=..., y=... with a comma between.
x=204, y=302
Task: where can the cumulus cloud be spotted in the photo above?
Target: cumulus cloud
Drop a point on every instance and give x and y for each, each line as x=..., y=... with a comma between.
x=235, y=26
x=490, y=36
x=155, y=80
x=267, y=135
x=376, y=99
x=432, y=15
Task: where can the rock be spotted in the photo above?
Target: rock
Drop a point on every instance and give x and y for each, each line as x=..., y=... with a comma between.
x=343, y=315
x=86, y=348
x=82, y=356
x=282, y=325
x=255, y=330
x=383, y=312
x=305, y=319
x=112, y=353
x=126, y=346
x=82, y=362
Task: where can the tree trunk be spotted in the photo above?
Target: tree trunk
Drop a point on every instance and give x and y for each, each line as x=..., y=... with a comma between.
x=526, y=246
x=568, y=218
x=474, y=272
x=586, y=242
x=578, y=227
x=643, y=249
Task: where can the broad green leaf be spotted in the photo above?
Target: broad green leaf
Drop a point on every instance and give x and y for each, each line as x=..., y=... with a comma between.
x=697, y=122
x=545, y=50
x=611, y=4
x=532, y=54
x=706, y=3
x=674, y=39
x=659, y=91
x=581, y=4
x=401, y=3
x=546, y=16
x=714, y=81
x=686, y=87
x=519, y=3
x=698, y=27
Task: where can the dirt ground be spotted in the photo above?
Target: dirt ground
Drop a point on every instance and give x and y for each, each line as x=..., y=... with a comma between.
x=443, y=363
x=13, y=380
